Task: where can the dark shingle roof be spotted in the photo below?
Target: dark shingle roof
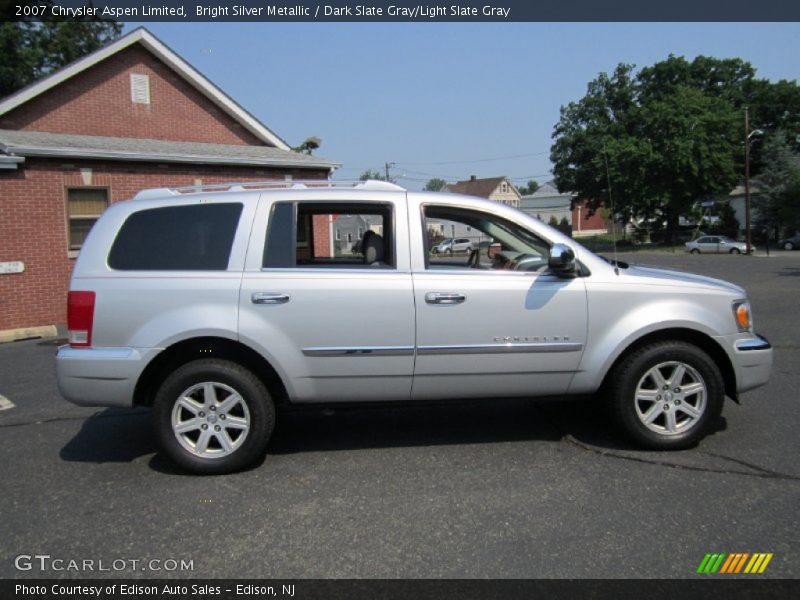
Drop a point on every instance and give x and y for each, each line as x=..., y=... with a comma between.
x=39, y=143
x=476, y=187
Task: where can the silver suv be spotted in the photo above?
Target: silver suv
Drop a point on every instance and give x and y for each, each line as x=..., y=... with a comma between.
x=212, y=304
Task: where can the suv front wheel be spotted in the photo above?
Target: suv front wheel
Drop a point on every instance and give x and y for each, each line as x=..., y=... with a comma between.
x=213, y=416
x=665, y=395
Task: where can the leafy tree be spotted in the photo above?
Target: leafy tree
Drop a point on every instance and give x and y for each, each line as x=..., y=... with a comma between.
x=601, y=132
x=529, y=188
x=435, y=185
x=373, y=174
x=309, y=145
x=667, y=135
x=33, y=49
x=779, y=185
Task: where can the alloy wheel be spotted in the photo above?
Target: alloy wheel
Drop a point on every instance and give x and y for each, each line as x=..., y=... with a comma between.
x=210, y=419
x=670, y=398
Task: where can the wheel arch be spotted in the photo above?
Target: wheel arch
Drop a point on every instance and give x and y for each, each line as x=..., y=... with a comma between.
x=690, y=336
x=185, y=351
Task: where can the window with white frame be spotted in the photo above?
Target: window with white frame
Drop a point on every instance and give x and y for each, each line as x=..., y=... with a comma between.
x=84, y=207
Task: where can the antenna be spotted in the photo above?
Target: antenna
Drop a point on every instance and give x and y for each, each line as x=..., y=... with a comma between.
x=613, y=212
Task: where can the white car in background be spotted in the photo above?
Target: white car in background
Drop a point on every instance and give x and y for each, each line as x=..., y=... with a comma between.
x=454, y=245
x=717, y=244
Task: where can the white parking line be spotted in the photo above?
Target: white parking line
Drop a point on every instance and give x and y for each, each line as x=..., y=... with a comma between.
x=5, y=403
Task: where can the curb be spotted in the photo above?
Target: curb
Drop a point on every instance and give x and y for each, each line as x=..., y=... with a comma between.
x=24, y=333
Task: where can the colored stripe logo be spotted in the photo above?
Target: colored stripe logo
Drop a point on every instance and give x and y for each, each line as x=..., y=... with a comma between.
x=737, y=562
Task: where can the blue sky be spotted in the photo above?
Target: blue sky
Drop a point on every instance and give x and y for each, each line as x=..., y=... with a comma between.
x=442, y=99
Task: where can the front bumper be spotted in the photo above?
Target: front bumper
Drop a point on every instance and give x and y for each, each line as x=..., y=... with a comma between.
x=752, y=362
x=100, y=376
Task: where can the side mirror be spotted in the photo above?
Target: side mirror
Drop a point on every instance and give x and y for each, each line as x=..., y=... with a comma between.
x=561, y=260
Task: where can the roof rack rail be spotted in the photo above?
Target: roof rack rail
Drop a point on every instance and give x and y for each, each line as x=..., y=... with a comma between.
x=291, y=184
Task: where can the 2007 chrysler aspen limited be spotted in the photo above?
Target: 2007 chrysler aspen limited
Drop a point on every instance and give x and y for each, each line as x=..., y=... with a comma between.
x=212, y=304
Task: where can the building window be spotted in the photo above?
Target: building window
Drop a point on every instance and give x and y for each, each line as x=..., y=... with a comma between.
x=140, y=88
x=84, y=206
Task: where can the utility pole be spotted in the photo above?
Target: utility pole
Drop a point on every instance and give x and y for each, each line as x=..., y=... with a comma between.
x=388, y=166
x=747, y=179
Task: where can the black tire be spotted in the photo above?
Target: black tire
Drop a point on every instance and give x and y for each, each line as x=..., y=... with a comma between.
x=735, y=251
x=694, y=251
x=260, y=413
x=632, y=371
x=788, y=246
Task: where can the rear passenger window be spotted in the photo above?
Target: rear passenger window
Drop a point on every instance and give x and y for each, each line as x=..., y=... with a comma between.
x=333, y=235
x=177, y=238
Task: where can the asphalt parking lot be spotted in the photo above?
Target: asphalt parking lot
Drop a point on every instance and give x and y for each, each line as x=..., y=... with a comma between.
x=470, y=490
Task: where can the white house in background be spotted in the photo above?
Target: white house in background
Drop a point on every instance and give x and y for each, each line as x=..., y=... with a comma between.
x=736, y=198
x=348, y=230
x=497, y=189
x=547, y=202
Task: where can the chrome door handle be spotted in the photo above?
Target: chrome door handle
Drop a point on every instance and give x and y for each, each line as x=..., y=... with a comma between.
x=269, y=298
x=444, y=298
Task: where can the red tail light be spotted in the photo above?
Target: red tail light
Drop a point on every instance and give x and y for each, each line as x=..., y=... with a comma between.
x=80, y=317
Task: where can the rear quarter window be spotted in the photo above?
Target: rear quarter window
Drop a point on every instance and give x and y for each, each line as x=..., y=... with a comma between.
x=176, y=238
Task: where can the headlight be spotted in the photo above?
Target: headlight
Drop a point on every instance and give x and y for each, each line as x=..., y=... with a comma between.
x=742, y=315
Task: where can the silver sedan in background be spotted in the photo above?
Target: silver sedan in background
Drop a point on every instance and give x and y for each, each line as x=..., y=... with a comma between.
x=716, y=244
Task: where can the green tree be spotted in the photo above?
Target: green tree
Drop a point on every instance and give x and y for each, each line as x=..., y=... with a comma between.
x=779, y=186
x=372, y=174
x=666, y=135
x=600, y=132
x=33, y=49
x=435, y=185
x=529, y=188
x=308, y=146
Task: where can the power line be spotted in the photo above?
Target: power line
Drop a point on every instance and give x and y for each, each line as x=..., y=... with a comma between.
x=524, y=178
x=477, y=160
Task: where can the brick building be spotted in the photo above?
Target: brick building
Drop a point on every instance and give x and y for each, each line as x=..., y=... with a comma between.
x=131, y=115
x=586, y=222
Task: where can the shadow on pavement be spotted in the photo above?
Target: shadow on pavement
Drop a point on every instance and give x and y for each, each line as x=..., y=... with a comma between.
x=124, y=436
x=451, y=423
x=112, y=435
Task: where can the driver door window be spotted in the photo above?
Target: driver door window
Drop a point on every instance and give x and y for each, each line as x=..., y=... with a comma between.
x=459, y=239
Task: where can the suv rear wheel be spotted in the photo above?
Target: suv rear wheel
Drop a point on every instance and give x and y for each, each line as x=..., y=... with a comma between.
x=666, y=395
x=213, y=416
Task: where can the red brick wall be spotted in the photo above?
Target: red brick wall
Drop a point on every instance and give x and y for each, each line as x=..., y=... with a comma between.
x=33, y=225
x=322, y=235
x=98, y=102
x=582, y=220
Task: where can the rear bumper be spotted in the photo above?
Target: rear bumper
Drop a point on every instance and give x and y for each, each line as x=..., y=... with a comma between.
x=752, y=362
x=100, y=376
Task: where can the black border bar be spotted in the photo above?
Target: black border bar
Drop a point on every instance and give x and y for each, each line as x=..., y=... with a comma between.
x=732, y=588
x=407, y=10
